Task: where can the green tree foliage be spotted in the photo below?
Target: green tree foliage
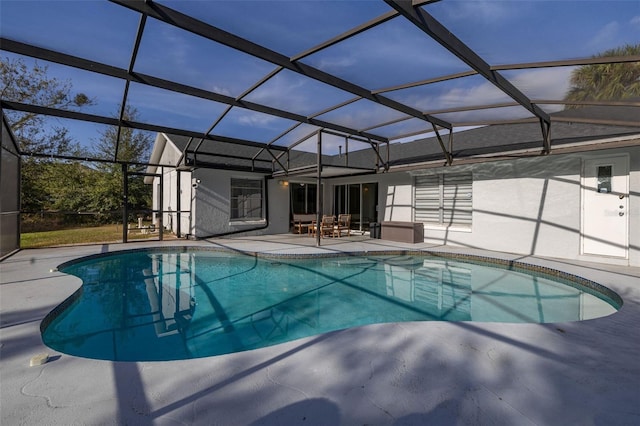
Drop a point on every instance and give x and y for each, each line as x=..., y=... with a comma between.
x=603, y=82
x=32, y=85
x=69, y=185
x=134, y=146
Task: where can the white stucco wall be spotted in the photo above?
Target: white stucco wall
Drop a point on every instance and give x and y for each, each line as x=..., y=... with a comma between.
x=526, y=206
x=211, y=215
x=171, y=192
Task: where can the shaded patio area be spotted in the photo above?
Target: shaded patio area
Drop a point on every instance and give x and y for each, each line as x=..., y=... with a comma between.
x=402, y=373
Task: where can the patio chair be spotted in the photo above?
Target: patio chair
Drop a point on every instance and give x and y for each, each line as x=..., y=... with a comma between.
x=343, y=224
x=327, y=226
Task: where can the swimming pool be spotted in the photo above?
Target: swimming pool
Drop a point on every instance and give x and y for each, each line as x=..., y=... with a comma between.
x=165, y=305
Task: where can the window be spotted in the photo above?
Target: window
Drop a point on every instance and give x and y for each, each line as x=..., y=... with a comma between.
x=604, y=179
x=444, y=199
x=246, y=199
x=303, y=197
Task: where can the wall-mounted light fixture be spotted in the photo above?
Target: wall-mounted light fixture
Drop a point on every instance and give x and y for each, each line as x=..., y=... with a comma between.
x=283, y=183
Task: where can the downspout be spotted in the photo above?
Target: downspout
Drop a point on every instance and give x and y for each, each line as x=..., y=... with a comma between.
x=258, y=228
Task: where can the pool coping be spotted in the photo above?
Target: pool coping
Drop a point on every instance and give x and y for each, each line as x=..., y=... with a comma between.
x=582, y=372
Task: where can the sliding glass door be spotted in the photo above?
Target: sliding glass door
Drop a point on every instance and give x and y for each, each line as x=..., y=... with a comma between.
x=358, y=200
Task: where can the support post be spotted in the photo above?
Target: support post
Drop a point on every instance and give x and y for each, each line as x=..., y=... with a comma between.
x=161, y=200
x=178, y=206
x=346, y=151
x=447, y=154
x=319, y=188
x=546, y=136
x=125, y=202
x=386, y=167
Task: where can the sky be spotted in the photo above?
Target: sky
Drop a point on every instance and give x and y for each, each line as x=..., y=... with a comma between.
x=393, y=53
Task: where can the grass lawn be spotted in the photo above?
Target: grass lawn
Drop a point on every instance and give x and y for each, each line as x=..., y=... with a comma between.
x=84, y=235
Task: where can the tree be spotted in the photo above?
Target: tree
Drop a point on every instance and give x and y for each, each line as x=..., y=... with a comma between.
x=602, y=82
x=32, y=85
x=134, y=147
x=20, y=83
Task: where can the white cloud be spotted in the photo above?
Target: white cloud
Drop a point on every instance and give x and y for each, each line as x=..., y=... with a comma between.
x=635, y=21
x=544, y=83
x=604, y=38
x=220, y=90
x=285, y=92
x=255, y=119
x=331, y=64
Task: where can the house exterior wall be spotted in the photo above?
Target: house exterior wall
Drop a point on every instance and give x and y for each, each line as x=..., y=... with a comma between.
x=529, y=206
x=211, y=214
x=170, y=207
x=171, y=190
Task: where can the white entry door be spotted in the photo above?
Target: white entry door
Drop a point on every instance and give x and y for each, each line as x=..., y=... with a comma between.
x=605, y=202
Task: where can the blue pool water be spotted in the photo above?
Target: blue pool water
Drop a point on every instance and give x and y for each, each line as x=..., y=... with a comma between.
x=161, y=305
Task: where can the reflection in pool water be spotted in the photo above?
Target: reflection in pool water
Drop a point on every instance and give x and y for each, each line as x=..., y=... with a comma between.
x=147, y=305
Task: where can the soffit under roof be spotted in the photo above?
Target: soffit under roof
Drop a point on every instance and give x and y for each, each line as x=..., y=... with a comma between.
x=263, y=77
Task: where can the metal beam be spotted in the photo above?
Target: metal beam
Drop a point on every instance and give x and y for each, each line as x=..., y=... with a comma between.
x=272, y=141
x=497, y=122
x=432, y=27
x=230, y=156
x=447, y=154
x=92, y=159
x=223, y=166
x=387, y=123
x=215, y=123
x=529, y=65
x=125, y=94
x=74, y=115
x=623, y=103
x=355, y=138
x=108, y=70
x=427, y=81
x=348, y=34
x=546, y=137
x=242, y=95
x=228, y=100
x=474, y=108
x=417, y=3
x=596, y=121
x=599, y=60
x=535, y=101
x=190, y=24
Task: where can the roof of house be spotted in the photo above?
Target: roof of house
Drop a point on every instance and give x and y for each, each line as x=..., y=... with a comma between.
x=487, y=141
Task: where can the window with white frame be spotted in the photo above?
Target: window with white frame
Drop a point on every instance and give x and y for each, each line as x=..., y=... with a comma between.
x=246, y=199
x=444, y=199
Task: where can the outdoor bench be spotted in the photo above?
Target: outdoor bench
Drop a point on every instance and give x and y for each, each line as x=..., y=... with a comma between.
x=302, y=222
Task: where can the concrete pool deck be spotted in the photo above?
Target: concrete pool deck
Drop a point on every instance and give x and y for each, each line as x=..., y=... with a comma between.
x=585, y=373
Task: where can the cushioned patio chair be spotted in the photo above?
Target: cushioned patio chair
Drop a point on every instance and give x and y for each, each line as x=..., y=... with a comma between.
x=327, y=226
x=343, y=224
